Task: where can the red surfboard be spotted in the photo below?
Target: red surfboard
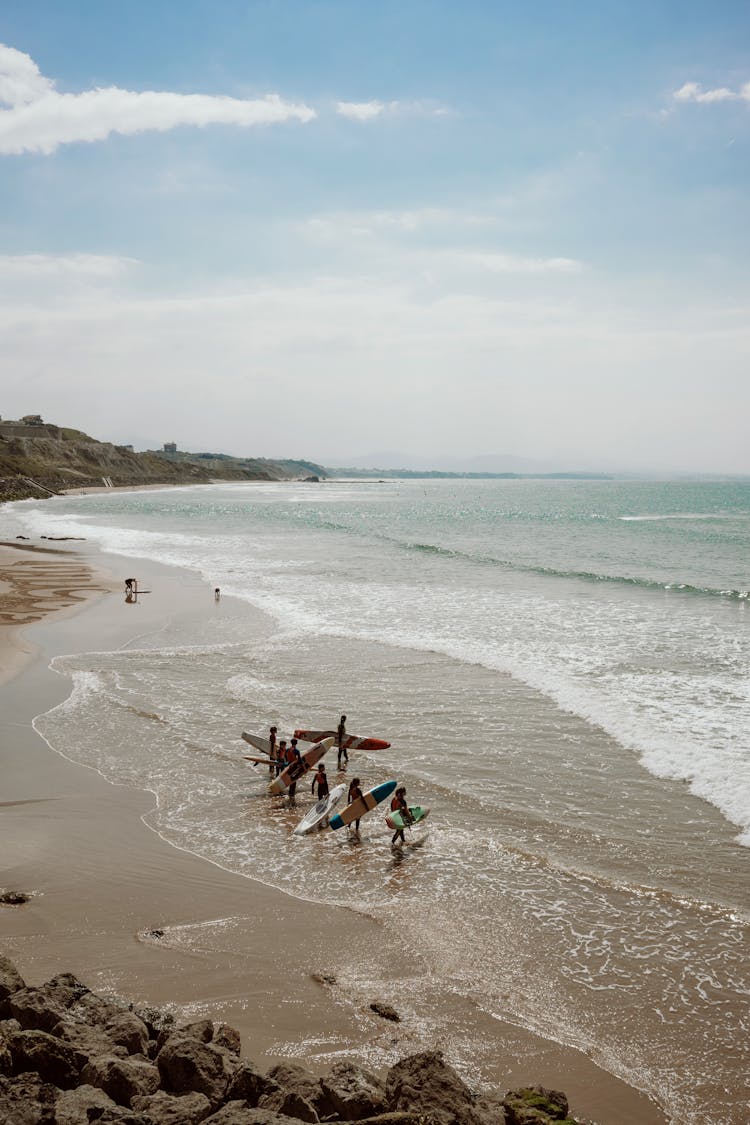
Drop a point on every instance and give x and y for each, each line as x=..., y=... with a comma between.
x=351, y=742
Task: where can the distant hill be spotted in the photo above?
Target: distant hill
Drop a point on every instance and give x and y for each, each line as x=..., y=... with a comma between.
x=39, y=459
x=496, y=464
x=444, y=474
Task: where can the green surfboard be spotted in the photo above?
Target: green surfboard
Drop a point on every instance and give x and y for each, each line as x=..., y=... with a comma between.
x=397, y=820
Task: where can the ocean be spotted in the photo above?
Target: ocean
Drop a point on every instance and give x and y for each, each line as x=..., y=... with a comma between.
x=562, y=670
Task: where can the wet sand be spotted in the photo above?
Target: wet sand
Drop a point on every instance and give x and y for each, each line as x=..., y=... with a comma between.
x=132, y=915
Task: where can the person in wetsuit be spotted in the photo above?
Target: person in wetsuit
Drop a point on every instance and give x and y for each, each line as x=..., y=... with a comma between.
x=292, y=756
x=272, y=751
x=320, y=781
x=354, y=794
x=281, y=758
x=340, y=736
x=398, y=804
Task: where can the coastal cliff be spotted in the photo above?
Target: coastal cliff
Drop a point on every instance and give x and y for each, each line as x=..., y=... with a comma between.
x=41, y=459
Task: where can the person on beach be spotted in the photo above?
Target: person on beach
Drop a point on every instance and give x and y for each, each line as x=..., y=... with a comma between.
x=272, y=751
x=131, y=585
x=292, y=755
x=320, y=781
x=217, y=594
x=398, y=804
x=281, y=759
x=340, y=736
x=354, y=794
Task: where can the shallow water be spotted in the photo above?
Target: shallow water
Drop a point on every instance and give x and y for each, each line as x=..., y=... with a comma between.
x=562, y=670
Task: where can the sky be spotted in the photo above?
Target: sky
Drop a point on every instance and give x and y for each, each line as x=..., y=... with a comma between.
x=381, y=232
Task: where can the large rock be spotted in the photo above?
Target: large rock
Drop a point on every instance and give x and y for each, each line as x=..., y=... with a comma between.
x=426, y=1083
x=65, y=989
x=87, y=1042
x=121, y=1026
x=290, y=1104
x=237, y=1113
x=6, y=1059
x=202, y=1030
x=401, y=1117
x=299, y=1080
x=228, y=1038
x=187, y=1065
x=35, y=1009
x=352, y=1092
x=155, y=1020
x=10, y=981
x=167, y=1109
x=39, y=1009
x=26, y=1100
x=53, y=1060
x=122, y=1079
x=72, y=1107
x=126, y=1030
x=119, y=1115
x=535, y=1105
x=247, y=1084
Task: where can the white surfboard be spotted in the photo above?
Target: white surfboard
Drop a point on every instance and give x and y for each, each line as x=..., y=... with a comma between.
x=264, y=744
x=320, y=811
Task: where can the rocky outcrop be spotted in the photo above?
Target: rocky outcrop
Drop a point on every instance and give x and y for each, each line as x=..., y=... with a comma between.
x=70, y=1057
x=535, y=1105
x=428, y=1084
x=353, y=1092
x=11, y=981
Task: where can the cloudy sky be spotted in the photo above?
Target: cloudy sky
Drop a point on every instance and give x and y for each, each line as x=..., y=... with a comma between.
x=348, y=230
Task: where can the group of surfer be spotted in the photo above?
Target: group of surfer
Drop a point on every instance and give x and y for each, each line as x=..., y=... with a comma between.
x=282, y=755
x=398, y=803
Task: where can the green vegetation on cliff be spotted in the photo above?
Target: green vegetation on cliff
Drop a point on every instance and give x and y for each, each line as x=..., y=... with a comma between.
x=45, y=459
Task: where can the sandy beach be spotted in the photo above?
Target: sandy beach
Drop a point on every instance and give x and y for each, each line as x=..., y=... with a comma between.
x=111, y=899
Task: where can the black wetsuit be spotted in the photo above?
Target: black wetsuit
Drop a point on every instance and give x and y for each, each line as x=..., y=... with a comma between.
x=321, y=781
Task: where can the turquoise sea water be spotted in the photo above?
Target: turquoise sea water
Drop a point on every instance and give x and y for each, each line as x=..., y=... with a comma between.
x=562, y=668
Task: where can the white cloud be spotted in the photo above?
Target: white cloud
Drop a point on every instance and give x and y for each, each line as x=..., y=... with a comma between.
x=521, y=263
x=368, y=111
x=339, y=226
x=694, y=92
x=41, y=119
x=39, y=266
x=360, y=111
x=20, y=80
x=436, y=244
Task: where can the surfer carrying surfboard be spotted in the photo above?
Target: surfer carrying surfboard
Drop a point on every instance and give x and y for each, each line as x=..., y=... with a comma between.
x=354, y=793
x=292, y=756
x=274, y=766
x=282, y=757
x=398, y=804
x=340, y=736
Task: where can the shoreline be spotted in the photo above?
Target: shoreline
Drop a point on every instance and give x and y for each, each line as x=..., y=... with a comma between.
x=64, y=831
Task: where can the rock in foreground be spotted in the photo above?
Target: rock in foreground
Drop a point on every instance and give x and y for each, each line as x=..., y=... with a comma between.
x=70, y=1057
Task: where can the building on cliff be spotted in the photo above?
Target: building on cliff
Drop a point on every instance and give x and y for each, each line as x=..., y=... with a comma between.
x=31, y=425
